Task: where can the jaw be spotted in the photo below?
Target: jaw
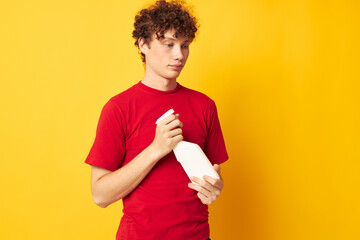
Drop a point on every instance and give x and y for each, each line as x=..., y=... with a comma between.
x=162, y=81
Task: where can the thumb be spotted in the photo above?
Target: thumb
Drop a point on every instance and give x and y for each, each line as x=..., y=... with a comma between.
x=217, y=169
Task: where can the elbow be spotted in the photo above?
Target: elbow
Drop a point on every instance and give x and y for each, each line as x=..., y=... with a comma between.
x=103, y=201
x=102, y=204
x=100, y=201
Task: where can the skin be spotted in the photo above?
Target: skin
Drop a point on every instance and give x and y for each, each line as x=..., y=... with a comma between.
x=164, y=58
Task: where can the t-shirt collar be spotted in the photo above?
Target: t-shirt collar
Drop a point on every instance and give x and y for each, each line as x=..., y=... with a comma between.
x=148, y=89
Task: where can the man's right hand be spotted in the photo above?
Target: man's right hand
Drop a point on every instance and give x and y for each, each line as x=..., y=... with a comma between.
x=168, y=134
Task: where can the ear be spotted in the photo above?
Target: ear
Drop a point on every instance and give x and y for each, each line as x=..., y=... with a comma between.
x=143, y=46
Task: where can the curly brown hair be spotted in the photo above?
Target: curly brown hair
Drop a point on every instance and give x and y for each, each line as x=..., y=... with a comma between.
x=162, y=16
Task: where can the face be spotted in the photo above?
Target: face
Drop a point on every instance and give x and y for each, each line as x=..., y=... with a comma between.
x=165, y=58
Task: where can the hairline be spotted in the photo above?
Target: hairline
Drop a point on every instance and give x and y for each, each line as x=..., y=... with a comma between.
x=159, y=38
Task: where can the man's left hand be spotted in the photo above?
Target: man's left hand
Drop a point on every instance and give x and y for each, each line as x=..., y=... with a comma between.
x=209, y=188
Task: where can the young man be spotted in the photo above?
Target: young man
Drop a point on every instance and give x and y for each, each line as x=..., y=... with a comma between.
x=132, y=157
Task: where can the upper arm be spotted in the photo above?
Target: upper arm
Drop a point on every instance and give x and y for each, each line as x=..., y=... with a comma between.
x=108, y=149
x=215, y=148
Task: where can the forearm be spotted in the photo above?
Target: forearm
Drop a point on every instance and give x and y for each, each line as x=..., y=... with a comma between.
x=115, y=185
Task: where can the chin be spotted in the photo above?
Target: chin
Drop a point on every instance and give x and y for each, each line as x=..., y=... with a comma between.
x=172, y=76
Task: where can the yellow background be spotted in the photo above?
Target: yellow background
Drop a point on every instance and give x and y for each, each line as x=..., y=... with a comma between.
x=284, y=74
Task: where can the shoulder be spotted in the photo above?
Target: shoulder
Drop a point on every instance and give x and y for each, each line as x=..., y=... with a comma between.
x=119, y=104
x=123, y=96
x=200, y=98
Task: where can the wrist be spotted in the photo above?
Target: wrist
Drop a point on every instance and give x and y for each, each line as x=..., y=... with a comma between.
x=154, y=152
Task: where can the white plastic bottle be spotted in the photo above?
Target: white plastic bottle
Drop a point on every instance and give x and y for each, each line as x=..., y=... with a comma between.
x=191, y=157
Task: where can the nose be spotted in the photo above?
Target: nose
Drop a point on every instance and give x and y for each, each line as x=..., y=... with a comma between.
x=178, y=53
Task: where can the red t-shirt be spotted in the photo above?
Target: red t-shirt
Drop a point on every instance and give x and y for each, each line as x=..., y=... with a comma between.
x=162, y=206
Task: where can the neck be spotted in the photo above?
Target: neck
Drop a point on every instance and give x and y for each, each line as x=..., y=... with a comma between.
x=159, y=83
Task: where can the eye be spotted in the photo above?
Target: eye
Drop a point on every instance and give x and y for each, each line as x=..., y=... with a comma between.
x=169, y=44
x=185, y=46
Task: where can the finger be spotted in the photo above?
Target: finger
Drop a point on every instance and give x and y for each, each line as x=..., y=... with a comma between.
x=205, y=200
x=176, y=123
x=210, y=196
x=177, y=117
x=178, y=138
x=218, y=183
x=203, y=184
x=199, y=189
x=175, y=132
x=167, y=120
x=218, y=170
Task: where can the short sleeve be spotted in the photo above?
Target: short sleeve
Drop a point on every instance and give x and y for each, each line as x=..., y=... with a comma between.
x=214, y=147
x=108, y=150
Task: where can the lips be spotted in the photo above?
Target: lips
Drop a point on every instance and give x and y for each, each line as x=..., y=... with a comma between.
x=176, y=66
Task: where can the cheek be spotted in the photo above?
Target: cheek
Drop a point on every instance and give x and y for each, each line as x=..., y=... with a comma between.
x=186, y=54
x=163, y=54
